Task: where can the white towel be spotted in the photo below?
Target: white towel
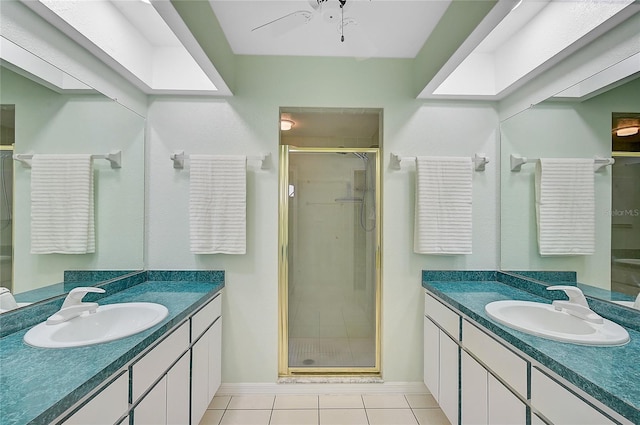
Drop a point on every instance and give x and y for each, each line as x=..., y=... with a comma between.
x=217, y=204
x=443, y=205
x=565, y=206
x=62, y=212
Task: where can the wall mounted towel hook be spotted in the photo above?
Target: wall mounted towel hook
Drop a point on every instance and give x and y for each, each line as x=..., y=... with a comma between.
x=265, y=160
x=115, y=158
x=178, y=159
x=480, y=160
x=395, y=161
x=600, y=163
x=516, y=162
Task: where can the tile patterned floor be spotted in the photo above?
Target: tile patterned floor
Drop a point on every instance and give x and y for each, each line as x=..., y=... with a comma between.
x=365, y=409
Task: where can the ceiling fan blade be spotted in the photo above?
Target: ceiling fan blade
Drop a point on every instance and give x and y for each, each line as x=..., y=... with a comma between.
x=316, y=4
x=287, y=22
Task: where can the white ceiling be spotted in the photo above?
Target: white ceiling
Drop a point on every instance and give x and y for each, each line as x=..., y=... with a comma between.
x=376, y=28
x=151, y=45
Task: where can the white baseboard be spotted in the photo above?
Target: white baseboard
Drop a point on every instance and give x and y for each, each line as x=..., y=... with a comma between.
x=322, y=388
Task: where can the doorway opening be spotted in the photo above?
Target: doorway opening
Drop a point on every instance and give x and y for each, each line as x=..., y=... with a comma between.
x=330, y=242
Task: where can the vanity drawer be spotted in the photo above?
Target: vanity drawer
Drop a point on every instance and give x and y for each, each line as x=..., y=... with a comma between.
x=560, y=405
x=504, y=362
x=109, y=405
x=205, y=317
x=443, y=316
x=156, y=362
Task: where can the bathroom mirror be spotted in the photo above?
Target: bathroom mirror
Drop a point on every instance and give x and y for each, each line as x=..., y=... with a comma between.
x=56, y=113
x=558, y=127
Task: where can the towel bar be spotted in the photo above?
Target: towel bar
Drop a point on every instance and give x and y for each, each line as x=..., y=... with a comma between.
x=115, y=158
x=480, y=160
x=178, y=158
x=518, y=161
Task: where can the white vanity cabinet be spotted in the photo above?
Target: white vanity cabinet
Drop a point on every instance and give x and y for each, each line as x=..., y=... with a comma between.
x=109, y=405
x=171, y=383
x=152, y=408
x=486, y=400
x=158, y=364
x=561, y=406
x=178, y=383
x=168, y=401
x=498, y=383
x=206, y=358
x=441, y=355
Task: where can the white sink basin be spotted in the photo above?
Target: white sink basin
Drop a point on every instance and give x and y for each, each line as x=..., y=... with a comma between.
x=543, y=320
x=109, y=322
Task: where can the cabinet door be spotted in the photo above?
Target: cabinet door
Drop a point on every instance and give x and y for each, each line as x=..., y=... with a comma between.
x=215, y=358
x=157, y=361
x=448, y=393
x=561, y=406
x=105, y=408
x=485, y=400
x=431, y=356
x=200, y=378
x=152, y=409
x=499, y=359
x=205, y=317
x=446, y=318
x=178, y=383
x=475, y=395
x=504, y=407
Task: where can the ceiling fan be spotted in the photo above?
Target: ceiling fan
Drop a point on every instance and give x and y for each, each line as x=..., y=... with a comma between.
x=332, y=11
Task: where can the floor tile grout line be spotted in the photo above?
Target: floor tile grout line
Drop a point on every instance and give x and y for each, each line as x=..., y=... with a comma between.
x=273, y=405
x=318, y=416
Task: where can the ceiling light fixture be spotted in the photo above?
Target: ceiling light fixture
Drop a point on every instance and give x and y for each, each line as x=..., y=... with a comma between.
x=627, y=131
x=285, y=125
x=627, y=127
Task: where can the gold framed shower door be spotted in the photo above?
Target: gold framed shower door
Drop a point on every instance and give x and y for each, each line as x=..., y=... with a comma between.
x=284, y=369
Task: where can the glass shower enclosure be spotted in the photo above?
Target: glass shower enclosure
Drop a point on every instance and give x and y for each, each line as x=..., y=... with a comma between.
x=7, y=140
x=625, y=222
x=329, y=265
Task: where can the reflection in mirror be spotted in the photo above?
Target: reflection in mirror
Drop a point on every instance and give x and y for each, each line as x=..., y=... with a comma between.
x=625, y=203
x=7, y=138
x=560, y=128
x=72, y=118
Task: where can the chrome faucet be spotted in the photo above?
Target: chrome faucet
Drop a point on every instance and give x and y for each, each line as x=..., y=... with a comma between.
x=577, y=305
x=73, y=306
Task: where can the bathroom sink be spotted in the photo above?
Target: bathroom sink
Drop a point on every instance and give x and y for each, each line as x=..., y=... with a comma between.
x=544, y=320
x=109, y=322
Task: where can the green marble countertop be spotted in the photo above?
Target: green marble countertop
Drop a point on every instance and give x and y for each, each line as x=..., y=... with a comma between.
x=39, y=384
